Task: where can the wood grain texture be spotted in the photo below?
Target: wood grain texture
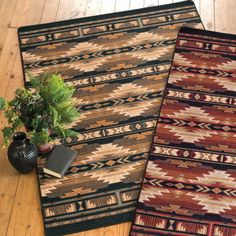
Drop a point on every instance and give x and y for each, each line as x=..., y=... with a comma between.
x=136, y=4
x=9, y=178
x=122, y=5
x=93, y=8
x=226, y=10
x=1, y=2
x=161, y=2
x=197, y=4
x=208, y=13
x=78, y=9
x=64, y=10
x=20, y=206
x=149, y=3
x=107, y=6
x=6, y=12
x=27, y=12
x=49, y=11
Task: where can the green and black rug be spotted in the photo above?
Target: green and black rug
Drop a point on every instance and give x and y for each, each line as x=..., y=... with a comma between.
x=119, y=64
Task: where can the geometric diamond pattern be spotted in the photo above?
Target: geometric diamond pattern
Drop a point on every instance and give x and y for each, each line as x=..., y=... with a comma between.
x=190, y=179
x=118, y=64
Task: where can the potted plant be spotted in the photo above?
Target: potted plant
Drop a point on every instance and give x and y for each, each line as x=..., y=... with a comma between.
x=44, y=110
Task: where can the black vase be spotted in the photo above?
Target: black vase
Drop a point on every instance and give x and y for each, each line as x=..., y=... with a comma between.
x=22, y=154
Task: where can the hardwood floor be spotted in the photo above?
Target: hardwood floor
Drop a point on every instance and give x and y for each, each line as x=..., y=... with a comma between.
x=19, y=200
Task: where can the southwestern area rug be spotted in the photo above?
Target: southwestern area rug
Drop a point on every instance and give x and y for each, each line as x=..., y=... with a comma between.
x=119, y=64
x=189, y=187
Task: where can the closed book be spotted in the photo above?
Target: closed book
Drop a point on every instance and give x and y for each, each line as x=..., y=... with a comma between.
x=59, y=161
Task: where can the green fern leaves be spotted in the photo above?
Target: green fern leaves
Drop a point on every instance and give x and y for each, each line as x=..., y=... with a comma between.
x=45, y=108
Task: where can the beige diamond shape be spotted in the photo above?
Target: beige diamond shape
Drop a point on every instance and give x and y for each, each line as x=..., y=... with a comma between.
x=117, y=51
x=138, y=126
x=226, y=128
x=216, y=190
x=74, y=169
x=110, y=163
x=192, y=124
x=179, y=185
x=97, y=105
x=186, y=153
x=69, y=139
x=130, y=99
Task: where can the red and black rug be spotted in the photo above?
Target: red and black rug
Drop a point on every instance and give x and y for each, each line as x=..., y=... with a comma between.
x=189, y=187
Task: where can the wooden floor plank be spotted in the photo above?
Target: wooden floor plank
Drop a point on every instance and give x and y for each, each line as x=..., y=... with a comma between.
x=35, y=224
x=70, y=9
x=8, y=176
x=149, y=3
x=225, y=16
x=126, y=228
x=7, y=59
x=107, y=6
x=9, y=181
x=117, y=230
x=49, y=11
x=134, y=4
x=1, y=2
x=14, y=80
x=8, y=52
x=25, y=206
x=14, y=205
x=6, y=13
x=208, y=14
x=64, y=9
x=197, y=4
x=122, y=5
x=78, y=9
x=93, y=8
x=27, y=12
x=26, y=217
x=163, y=2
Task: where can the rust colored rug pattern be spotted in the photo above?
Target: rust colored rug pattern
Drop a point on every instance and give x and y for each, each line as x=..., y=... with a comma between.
x=119, y=64
x=189, y=187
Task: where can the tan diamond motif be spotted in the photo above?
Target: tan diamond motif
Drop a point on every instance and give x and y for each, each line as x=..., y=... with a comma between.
x=110, y=163
x=179, y=185
x=226, y=128
x=69, y=139
x=74, y=169
x=186, y=153
x=216, y=190
x=117, y=51
x=130, y=99
x=192, y=124
x=97, y=105
x=138, y=126
x=123, y=74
